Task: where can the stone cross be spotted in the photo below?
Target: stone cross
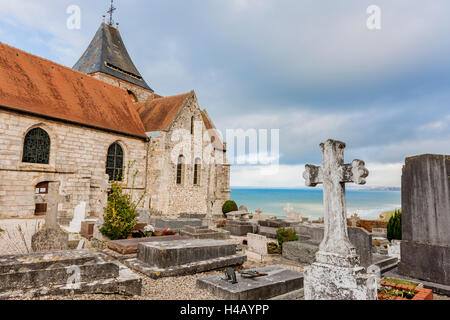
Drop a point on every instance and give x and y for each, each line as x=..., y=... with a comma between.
x=336, y=274
x=334, y=174
x=53, y=198
x=288, y=208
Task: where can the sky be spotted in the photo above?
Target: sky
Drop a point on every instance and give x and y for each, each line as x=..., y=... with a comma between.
x=310, y=68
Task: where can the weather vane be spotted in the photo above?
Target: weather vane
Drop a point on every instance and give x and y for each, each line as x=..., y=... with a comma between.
x=111, y=11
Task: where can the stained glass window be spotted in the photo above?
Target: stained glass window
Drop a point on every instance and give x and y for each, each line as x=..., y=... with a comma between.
x=114, y=162
x=36, y=147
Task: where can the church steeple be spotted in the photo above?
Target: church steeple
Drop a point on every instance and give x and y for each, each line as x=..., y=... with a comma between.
x=107, y=54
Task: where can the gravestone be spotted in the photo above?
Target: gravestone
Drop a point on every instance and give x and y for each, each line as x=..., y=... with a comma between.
x=78, y=217
x=51, y=237
x=394, y=249
x=354, y=219
x=243, y=208
x=257, y=247
x=336, y=274
x=425, y=249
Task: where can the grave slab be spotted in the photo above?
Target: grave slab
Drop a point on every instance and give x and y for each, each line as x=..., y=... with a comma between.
x=278, y=282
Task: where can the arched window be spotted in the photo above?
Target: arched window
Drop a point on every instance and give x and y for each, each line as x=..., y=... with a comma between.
x=180, y=170
x=36, y=147
x=114, y=162
x=197, y=169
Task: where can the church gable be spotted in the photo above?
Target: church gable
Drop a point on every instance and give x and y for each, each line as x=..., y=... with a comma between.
x=40, y=87
x=158, y=114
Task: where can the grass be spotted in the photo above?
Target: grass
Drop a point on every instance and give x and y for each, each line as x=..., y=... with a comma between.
x=397, y=281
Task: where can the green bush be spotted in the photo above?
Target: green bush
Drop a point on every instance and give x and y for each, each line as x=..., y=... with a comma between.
x=285, y=235
x=394, y=227
x=229, y=206
x=120, y=214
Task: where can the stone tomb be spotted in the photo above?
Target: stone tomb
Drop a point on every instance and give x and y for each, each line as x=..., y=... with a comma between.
x=179, y=258
x=63, y=273
x=277, y=282
x=204, y=233
x=241, y=228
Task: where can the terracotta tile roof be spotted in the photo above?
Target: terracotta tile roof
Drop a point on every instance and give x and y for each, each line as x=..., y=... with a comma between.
x=35, y=85
x=157, y=114
x=215, y=136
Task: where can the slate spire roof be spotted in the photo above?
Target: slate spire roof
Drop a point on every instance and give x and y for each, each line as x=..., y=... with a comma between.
x=107, y=54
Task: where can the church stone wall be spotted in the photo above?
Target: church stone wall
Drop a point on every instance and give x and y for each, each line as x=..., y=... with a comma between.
x=77, y=160
x=169, y=197
x=140, y=93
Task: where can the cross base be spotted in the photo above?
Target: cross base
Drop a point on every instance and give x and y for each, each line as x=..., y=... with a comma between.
x=334, y=277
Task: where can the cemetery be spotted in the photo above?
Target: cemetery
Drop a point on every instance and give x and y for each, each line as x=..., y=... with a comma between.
x=250, y=256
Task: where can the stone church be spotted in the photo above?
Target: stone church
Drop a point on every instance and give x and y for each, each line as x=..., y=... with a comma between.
x=101, y=122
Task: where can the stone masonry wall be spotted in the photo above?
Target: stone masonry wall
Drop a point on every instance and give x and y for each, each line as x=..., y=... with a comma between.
x=166, y=195
x=77, y=160
x=140, y=93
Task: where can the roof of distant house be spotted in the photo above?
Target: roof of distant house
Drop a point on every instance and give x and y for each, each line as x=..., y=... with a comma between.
x=41, y=87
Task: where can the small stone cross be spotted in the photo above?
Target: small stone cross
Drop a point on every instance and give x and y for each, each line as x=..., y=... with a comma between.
x=333, y=174
x=53, y=198
x=288, y=208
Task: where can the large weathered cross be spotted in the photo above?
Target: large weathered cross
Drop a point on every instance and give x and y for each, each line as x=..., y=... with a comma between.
x=333, y=174
x=53, y=198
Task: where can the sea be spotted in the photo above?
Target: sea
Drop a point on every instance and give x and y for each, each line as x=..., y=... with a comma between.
x=368, y=204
